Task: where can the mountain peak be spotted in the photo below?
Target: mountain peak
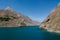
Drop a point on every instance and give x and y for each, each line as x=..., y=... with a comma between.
x=11, y=18
x=59, y=4
x=8, y=8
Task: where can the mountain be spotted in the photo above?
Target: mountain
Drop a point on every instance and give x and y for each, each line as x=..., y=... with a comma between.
x=36, y=22
x=52, y=22
x=11, y=18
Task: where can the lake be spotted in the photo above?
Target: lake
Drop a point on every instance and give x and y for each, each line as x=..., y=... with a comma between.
x=26, y=33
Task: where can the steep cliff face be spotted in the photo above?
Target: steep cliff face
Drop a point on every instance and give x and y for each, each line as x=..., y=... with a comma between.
x=11, y=18
x=52, y=22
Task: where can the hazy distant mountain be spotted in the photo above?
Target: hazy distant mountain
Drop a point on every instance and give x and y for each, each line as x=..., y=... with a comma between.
x=9, y=18
x=52, y=22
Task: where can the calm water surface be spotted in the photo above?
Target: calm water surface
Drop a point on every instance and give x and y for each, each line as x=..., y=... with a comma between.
x=26, y=33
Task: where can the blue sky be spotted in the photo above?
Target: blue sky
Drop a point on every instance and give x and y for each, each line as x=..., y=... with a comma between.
x=35, y=9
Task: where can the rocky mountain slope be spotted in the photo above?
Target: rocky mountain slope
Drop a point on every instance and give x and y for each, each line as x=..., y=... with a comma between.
x=11, y=18
x=52, y=22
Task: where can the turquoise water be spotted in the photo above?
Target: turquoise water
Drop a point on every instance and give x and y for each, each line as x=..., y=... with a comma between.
x=26, y=33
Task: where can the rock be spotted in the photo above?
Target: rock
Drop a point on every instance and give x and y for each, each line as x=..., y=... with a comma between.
x=11, y=18
x=52, y=22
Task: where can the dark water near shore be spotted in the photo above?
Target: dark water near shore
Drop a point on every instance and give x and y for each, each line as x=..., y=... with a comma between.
x=26, y=33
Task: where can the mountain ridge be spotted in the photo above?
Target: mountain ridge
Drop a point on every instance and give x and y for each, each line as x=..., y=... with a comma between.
x=11, y=18
x=52, y=21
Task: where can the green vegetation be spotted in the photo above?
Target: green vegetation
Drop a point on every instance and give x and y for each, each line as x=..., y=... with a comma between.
x=4, y=18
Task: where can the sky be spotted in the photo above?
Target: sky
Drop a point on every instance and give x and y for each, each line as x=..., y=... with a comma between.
x=37, y=10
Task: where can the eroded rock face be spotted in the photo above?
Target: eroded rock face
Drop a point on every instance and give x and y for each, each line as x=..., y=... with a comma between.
x=52, y=22
x=11, y=18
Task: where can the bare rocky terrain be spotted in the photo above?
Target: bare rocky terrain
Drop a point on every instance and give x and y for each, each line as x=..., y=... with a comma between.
x=52, y=22
x=11, y=18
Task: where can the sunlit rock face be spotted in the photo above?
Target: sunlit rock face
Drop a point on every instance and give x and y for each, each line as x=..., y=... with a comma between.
x=11, y=18
x=52, y=22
